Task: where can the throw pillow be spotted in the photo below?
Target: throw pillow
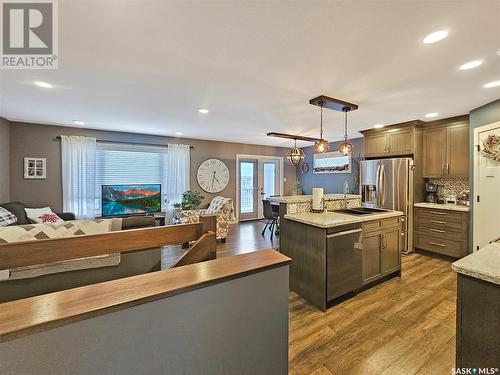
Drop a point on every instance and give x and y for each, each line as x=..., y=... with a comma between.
x=34, y=214
x=50, y=218
x=7, y=217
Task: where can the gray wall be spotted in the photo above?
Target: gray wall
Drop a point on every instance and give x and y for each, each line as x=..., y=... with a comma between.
x=236, y=327
x=483, y=115
x=332, y=182
x=4, y=160
x=40, y=141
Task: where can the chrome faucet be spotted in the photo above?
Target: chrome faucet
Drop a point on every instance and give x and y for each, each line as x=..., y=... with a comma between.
x=346, y=191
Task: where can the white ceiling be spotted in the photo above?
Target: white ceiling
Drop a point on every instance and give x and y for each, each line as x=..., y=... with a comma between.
x=147, y=66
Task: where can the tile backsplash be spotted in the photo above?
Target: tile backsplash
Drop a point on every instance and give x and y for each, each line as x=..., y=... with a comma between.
x=452, y=185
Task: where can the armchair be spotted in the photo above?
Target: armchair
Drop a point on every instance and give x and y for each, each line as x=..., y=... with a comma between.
x=222, y=207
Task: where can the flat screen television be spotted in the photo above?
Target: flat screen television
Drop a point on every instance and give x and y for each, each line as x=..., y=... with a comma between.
x=119, y=200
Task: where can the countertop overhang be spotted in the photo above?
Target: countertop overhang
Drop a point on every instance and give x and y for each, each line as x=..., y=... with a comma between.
x=483, y=264
x=307, y=198
x=448, y=206
x=330, y=219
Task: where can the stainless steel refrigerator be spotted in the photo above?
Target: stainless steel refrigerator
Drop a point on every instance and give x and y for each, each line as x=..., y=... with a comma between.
x=388, y=183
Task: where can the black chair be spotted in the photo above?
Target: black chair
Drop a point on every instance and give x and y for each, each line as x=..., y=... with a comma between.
x=271, y=216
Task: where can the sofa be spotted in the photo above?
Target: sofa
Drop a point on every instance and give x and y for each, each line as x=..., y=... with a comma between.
x=132, y=222
x=222, y=207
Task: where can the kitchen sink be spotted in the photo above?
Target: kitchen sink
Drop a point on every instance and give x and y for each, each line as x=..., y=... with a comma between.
x=358, y=210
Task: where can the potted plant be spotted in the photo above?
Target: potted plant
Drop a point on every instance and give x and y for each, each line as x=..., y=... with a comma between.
x=191, y=200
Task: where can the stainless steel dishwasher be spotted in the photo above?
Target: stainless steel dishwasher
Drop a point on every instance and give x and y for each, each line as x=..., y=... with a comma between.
x=344, y=262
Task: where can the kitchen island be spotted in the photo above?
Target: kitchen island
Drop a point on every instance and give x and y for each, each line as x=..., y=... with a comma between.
x=335, y=254
x=478, y=308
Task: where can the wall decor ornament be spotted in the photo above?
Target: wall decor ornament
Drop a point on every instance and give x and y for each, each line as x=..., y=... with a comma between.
x=35, y=168
x=304, y=168
x=491, y=147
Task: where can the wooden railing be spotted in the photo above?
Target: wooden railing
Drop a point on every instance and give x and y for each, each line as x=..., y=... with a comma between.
x=20, y=254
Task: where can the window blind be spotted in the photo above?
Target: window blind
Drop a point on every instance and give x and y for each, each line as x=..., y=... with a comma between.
x=125, y=164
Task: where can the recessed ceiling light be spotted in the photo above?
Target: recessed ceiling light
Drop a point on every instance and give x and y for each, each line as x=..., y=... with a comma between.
x=432, y=114
x=78, y=122
x=491, y=84
x=470, y=65
x=44, y=84
x=498, y=52
x=178, y=133
x=203, y=110
x=378, y=126
x=435, y=36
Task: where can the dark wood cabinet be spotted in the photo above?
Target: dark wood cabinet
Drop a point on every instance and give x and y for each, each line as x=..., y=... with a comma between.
x=434, y=149
x=478, y=324
x=372, y=244
x=391, y=251
x=392, y=142
x=381, y=248
x=442, y=231
x=446, y=149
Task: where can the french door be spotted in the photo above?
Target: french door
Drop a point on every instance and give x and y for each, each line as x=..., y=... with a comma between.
x=258, y=177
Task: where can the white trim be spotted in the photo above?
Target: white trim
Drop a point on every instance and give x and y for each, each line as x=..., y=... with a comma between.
x=280, y=159
x=477, y=130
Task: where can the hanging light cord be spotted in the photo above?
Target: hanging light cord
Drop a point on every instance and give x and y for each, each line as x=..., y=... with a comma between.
x=345, y=125
x=321, y=122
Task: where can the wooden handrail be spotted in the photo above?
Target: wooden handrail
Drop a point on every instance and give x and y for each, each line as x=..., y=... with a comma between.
x=29, y=253
x=34, y=314
x=204, y=249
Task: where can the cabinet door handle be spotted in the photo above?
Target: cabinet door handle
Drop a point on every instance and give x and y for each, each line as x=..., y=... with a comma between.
x=442, y=169
x=437, y=221
x=437, y=244
x=437, y=230
x=447, y=169
x=438, y=213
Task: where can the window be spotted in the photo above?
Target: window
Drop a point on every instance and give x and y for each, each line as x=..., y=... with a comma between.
x=126, y=164
x=331, y=162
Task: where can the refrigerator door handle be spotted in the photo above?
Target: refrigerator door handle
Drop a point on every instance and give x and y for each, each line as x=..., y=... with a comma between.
x=378, y=187
x=382, y=185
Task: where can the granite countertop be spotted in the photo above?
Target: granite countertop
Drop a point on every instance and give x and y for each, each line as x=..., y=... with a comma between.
x=448, y=206
x=307, y=198
x=332, y=219
x=483, y=264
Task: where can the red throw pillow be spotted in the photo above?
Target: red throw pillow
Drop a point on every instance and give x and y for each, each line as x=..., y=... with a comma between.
x=49, y=218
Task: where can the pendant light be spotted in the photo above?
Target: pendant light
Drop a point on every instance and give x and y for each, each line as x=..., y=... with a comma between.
x=295, y=155
x=321, y=146
x=345, y=147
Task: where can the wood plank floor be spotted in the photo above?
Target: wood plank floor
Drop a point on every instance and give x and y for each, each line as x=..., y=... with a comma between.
x=403, y=326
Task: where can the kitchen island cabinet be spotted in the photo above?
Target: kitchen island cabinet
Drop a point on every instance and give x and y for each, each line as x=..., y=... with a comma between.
x=334, y=254
x=478, y=309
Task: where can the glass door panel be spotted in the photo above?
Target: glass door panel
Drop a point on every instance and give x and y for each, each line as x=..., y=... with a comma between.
x=249, y=190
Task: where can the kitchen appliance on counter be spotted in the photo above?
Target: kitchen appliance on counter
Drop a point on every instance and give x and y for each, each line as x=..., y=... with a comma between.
x=463, y=198
x=388, y=184
x=431, y=192
x=441, y=197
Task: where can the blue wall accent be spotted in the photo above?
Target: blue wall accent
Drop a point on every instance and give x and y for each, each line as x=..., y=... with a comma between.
x=331, y=182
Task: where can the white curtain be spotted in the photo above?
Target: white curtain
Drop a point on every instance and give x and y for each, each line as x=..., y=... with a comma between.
x=78, y=175
x=177, y=177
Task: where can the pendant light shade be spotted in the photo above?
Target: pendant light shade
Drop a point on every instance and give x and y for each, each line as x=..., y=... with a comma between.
x=345, y=147
x=321, y=146
x=295, y=155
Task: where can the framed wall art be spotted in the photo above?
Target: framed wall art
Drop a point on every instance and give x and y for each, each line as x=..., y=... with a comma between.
x=35, y=168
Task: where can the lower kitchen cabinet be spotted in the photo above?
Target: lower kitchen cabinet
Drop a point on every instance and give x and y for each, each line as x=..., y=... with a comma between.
x=381, y=248
x=442, y=231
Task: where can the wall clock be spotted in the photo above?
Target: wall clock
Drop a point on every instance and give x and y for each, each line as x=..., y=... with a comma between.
x=213, y=175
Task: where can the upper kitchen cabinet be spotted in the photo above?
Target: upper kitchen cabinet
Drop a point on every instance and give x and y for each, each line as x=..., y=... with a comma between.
x=394, y=140
x=446, y=148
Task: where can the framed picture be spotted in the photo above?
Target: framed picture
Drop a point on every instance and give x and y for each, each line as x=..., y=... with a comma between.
x=35, y=168
x=331, y=162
